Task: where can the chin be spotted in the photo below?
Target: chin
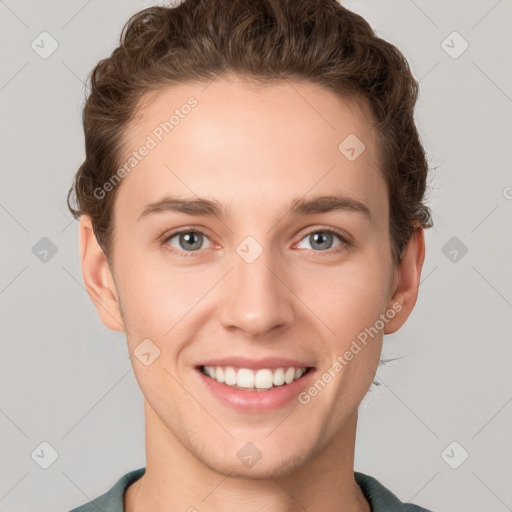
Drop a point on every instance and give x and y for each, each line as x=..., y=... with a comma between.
x=278, y=466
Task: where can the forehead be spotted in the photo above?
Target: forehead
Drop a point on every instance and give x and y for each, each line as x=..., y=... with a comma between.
x=251, y=145
x=246, y=108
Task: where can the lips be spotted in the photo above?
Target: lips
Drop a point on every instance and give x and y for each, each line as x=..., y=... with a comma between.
x=256, y=364
x=255, y=401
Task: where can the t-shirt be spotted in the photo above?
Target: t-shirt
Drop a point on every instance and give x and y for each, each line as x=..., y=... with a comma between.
x=380, y=498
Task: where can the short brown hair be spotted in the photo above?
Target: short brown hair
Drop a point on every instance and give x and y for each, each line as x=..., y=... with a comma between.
x=318, y=41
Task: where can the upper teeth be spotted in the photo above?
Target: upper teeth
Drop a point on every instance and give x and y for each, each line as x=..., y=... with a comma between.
x=264, y=378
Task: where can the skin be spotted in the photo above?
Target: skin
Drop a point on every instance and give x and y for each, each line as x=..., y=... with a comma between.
x=254, y=149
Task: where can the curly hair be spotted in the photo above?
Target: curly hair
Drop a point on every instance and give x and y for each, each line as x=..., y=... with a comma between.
x=318, y=41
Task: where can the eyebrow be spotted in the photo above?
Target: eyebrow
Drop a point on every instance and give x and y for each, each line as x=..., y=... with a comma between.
x=299, y=207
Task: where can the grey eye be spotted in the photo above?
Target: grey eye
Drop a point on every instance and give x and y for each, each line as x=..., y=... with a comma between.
x=188, y=240
x=321, y=239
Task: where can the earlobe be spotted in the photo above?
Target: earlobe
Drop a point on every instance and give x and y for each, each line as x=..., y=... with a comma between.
x=98, y=279
x=407, y=279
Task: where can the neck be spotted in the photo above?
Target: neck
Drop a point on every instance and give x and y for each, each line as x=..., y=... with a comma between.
x=176, y=479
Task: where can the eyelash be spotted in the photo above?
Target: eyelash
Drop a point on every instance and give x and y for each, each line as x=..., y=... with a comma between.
x=337, y=250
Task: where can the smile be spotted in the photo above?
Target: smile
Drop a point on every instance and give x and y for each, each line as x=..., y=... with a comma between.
x=263, y=379
x=255, y=391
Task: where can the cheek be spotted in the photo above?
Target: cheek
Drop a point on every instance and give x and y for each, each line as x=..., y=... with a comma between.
x=346, y=299
x=156, y=302
x=153, y=294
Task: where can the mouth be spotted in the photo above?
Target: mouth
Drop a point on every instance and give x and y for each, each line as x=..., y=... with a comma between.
x=253, y=391
x=261, y=379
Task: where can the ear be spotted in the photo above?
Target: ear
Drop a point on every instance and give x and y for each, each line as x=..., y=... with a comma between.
x=407, y=281
x=98, y=279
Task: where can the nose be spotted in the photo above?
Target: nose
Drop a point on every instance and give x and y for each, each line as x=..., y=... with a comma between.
x=256, y=297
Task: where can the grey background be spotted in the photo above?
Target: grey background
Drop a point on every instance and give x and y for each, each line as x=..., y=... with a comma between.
x=67, y=380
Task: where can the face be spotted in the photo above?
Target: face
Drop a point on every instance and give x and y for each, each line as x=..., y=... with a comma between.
x=267, y=281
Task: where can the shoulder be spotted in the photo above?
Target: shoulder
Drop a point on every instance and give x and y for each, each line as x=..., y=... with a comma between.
x=112, y=500
x=382, y=499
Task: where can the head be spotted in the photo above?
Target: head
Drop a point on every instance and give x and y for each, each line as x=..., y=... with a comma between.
x=258, y=108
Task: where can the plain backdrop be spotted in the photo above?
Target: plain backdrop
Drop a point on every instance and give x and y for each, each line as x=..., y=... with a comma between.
x=436, y=431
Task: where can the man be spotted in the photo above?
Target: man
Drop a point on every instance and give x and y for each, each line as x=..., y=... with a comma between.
x=250, y=204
